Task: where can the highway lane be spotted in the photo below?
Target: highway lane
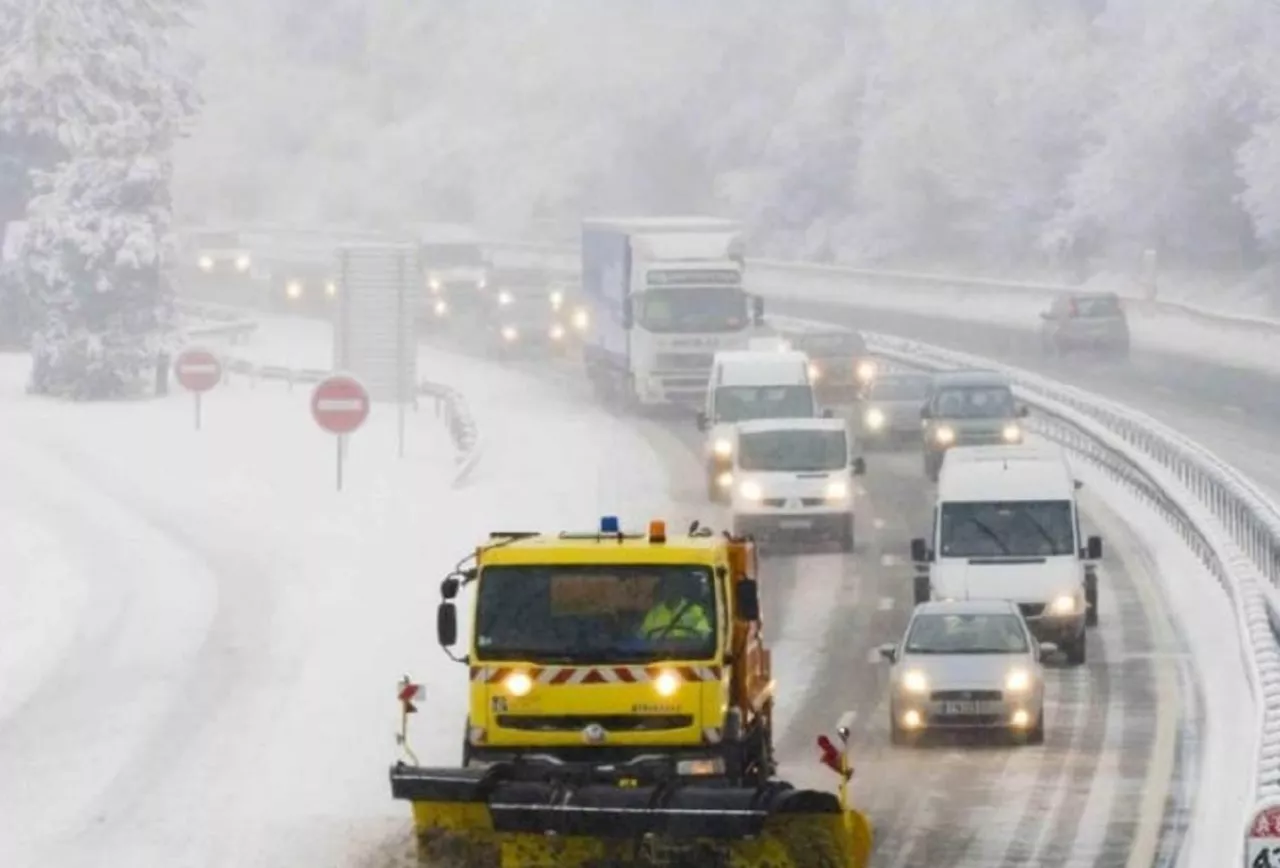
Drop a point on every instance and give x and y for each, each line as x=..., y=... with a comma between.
x=1232, y=411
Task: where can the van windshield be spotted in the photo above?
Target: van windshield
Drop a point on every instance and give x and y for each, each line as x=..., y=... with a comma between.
x=742, y=403
x=974, y=402
x=1033, y=528
x=793, y=451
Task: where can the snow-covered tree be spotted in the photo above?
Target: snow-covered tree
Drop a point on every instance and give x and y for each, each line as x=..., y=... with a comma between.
x=100, y=76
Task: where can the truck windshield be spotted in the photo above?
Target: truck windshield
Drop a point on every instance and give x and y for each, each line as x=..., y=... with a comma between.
x=452, y=256
x=742, y=403
x=1033, y=528
x=793, y=451
x=710, y=309
x=596, y=613
x=975, y=402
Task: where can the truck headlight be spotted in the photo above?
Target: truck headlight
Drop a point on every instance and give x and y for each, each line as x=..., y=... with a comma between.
x=293, y=289
x=557, y=332
x=945, y=436
x=1063, y=605
x=509, y=333
x=837, y=490
x=1011, y=433
x=815, y=372
x=580, y=319
x=915, y=682
x=442, y=307
x=751, y=491
x=205, y=263
x=330, y=289
x=866, y=371
x=434, y=284
x=874, y=418
x=504, y=298
x=667, y=683
x=1017, y=681
x=518, y=684
x=722, y=448
x=243, y=262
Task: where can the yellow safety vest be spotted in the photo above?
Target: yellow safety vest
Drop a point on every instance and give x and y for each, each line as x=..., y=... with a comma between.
x=692, y=620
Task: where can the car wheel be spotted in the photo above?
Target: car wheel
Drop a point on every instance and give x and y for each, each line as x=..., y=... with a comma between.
x=1035, y=735
x=1076, y=650
x=921, y=591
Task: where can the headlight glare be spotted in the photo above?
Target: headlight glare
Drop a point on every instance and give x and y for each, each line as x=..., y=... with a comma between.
x=915, y=682
x=1017, y=681
x=293, y=289
x=205, y=263
x=866, y=371
x=504, y=298
x=751, y=491
x=580, y=319
x=815, y=372
x=518, y=684
x=1012, y=433
x=945, y=436
x=723, y=448
x=243, y=262
x=874, y=418
x=667, y=683
x=837, y=490
x=509, y=333
x=1063, y=605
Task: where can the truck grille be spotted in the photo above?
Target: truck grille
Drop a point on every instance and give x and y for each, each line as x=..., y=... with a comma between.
x=683, y=361
x=1031, y=610
x=611, y=722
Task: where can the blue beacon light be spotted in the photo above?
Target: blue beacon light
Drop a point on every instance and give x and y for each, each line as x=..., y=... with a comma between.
x=609, y=524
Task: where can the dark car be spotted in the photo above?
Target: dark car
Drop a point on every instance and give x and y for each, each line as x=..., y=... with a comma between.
x=890, y=413
x=840, y=365
x=968, y=408
x=1087, y=321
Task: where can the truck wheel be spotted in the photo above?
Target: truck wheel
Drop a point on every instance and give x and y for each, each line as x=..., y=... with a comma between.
x=1076, y=650
x=847, y=540
x=921, y=590
x=1091, y=600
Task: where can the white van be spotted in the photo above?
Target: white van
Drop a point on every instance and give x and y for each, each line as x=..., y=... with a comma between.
x=1006, y=526
x=745, y=385
x=793, y=478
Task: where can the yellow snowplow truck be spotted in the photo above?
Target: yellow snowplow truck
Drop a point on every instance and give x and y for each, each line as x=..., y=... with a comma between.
x=620, y=714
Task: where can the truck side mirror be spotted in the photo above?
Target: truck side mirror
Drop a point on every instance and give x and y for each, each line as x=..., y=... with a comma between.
x=747, y=599
x=757, y=310
x=449, y=588
x=1093, y=550
x=447, y=625
x=628, y=315
x=859, y=466
x=703, y=422
x=920, y=551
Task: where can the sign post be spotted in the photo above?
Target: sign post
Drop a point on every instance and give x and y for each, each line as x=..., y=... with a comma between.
x=198, y=370
x=340, y=405
x=1262, y=844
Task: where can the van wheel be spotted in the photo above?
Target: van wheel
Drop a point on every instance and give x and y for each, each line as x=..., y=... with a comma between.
x=847, y=537
x=1076, y=650
x=922, y=591
x=1091, y=600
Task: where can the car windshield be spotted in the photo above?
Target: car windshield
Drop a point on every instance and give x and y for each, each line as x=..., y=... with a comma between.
x=595, y=613
x=793, y=451
x=1033, y=528
x=974, y=402
x=1101, y=306
x=836, y=345
x=742, y=403
x=967, y=634
x=892, y=388
x=452, y=256
x=713, y=309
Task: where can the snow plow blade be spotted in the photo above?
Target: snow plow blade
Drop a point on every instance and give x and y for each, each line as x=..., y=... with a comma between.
x=492, y=818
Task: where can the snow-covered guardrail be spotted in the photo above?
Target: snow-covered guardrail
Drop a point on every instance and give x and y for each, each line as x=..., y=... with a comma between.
x=214, y=321
x=449, y=405
x=1223, y=517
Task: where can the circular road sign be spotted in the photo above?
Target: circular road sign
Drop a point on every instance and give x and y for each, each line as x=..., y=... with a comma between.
x=198, y=369
x=340, y=404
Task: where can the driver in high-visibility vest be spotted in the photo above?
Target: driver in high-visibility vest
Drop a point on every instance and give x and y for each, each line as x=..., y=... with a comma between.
x=679, y=611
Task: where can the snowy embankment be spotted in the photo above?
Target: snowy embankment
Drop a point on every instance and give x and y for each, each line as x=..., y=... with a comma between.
x=200, y=638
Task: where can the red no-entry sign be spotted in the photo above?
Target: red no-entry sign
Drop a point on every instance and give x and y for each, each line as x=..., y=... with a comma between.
x=340, y=404
x=198, y=370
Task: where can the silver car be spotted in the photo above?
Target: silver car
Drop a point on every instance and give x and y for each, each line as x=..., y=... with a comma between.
x=968, y=408
x=890, y=414
x=967, y=664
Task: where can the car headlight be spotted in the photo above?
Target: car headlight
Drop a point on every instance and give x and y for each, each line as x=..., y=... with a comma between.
x=667, y=683
x=243, y=262
x=434, y=284
x=945, y=436
x=1063, y=605
x=580, y=319
x=504, y=298
x=205, y=263
x=1011, y=433
x=866, y=371
x=874, y=418
x=751, y=491
x=915, y=682
x=837, y=490
x=815, y=372
x=557, y=299
x=293, y=289
x=722, y=448
x=557, y=332
x=442, y=307
x=725, y=480
x=331, y=289
x=518, y=684
x=1017, y=681
x=509, y=333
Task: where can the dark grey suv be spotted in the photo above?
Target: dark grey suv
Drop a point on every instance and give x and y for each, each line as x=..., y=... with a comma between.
x=1086, y=321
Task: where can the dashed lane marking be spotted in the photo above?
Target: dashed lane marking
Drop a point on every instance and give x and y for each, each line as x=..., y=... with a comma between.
x=889, y=560
x=878, y=523
x=886, y=604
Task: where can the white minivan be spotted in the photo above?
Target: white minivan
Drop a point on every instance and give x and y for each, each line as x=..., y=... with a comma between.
x=793, y=479
x=745, y=385
x=1006, y=526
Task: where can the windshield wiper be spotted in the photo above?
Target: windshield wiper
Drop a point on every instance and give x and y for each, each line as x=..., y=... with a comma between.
x=1044, y=534
x=995, y=537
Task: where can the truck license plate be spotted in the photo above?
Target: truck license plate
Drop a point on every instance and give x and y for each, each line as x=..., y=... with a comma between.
x=795, y=523
x=959, y=708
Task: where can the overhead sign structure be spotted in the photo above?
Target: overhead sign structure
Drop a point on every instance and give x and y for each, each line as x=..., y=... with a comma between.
x=1262, y=844
x=340, y=405
x=198, y=370
x=380, y=290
